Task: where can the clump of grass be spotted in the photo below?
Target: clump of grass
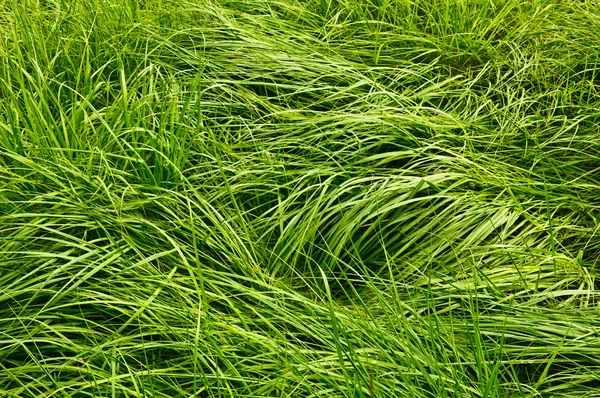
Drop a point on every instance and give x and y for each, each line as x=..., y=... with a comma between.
x=320, y=198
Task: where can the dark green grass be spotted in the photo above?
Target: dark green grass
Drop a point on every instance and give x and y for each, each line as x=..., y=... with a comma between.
x=299, y=198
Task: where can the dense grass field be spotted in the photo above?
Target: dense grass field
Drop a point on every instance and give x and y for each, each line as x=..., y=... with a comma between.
x=299, y=198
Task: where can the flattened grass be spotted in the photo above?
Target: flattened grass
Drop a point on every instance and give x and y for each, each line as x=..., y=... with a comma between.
x=299, y=199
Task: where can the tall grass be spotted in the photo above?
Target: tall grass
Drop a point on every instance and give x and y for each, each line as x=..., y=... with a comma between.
x=314, y=198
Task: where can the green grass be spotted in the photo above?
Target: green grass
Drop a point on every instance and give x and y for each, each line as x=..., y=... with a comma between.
x=285, y=198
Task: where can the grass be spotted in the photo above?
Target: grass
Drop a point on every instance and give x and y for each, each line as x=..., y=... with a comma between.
x=320, y=198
